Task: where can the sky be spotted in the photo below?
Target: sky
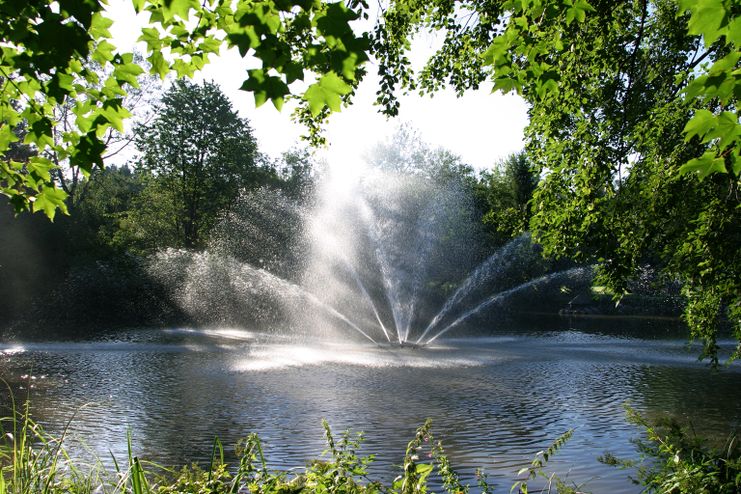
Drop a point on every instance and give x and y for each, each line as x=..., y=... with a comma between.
x=481, y=127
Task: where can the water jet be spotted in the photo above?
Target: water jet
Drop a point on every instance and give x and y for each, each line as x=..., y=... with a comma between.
x=394, y=259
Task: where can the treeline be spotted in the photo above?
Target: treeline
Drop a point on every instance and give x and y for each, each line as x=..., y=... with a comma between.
x=195, y=158
x=501, y=194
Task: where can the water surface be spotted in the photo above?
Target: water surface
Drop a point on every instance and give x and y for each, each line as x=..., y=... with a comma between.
x=494, y=401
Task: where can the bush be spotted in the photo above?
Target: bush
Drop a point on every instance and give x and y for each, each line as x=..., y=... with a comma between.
x=674, y=460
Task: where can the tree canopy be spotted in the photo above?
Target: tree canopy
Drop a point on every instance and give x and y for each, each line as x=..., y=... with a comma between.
x=634, y=122
x=633, y=127
x=506, y=194
x=201, y=155
x=46, y=47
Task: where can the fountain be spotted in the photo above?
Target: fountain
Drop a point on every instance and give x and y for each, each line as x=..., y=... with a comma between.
x=393, y=258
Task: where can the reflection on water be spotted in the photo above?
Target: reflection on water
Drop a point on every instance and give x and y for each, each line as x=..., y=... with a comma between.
x=494, y=401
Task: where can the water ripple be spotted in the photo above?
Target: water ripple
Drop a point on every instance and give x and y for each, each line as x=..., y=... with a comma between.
x=494, y=401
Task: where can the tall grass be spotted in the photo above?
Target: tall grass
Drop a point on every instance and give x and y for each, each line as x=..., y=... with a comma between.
x=34, y=462
x=31, y=460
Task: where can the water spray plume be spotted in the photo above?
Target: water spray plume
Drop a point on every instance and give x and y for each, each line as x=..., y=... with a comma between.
x=373, y=254
x=501, y=296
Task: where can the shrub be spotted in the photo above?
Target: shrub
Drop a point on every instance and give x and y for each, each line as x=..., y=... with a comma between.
x=674, y=460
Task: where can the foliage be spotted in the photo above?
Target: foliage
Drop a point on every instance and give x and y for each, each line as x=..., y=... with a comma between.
x=407, y=154
x=84, y=270
x=70, y=178
x=536, y=468
x=676, y=461
x=103, y=205
x=200, y=154
x=633, y=127
x=32, y=461
x=297, y=169
x=93, y=267
x=506, y=192
x=42, y=64
x=523, y=46
x=47, y=47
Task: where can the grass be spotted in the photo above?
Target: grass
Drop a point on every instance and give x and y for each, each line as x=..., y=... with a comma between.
x=34, y=462
x=674, y=461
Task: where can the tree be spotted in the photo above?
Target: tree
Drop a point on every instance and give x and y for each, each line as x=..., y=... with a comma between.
x=506, y=193
x=634, y=126
x=633, y=106
x=71, y=178
x=47, y=44
x=104, y=205
x=201, y=154
x=296, y=169
x=406, y=153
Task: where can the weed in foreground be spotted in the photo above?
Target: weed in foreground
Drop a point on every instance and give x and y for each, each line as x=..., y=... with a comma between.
x=34, y=462
x=674, y=460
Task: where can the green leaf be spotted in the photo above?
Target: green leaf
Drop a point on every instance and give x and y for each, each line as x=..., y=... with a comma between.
x=700, y=124
x=40, y=131
x=547, y=84
x=266, y=87
x=736, y=162
x=151, y=37
x=703, y=166
x=293, y=72
x=210, y=45
x=66, y=81
x=349, y=65
x=496, y=50
x=82, y=10
x=183, y=68
x=726, y=129
x=243, y=38
x=159, y=64
x=99, y=26
x=272, y=21
x=327, y=92
x=577, y=11
x=88, y=152
x=506, y=84
x=734, y=31
x=180, y=8
x=725, y=64
x=128, y=72
x=115, y=113
x=7, y=136
x=111, y=89
x=40, y=167
x=706, y=19
x=103, y=52
x=573, y=13
x=49, y=200
x=335, y=22
x=695, y=87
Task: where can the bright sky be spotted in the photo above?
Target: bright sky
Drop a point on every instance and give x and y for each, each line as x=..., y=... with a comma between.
x=481, y=127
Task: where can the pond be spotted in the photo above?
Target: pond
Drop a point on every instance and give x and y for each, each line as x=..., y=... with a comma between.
x=494, y=400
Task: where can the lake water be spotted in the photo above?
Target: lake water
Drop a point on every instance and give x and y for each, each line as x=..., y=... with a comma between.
x=494, y=400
